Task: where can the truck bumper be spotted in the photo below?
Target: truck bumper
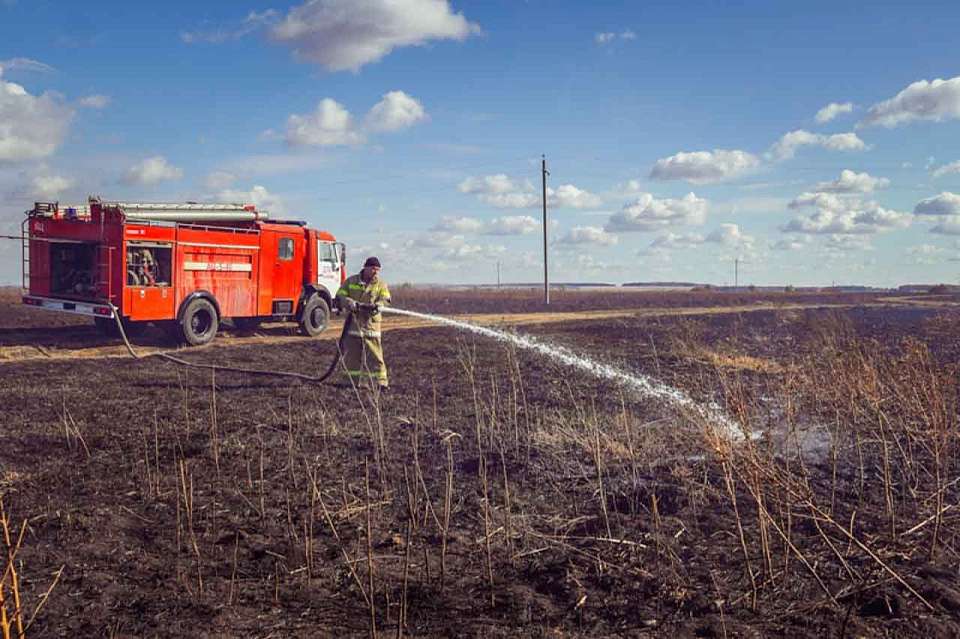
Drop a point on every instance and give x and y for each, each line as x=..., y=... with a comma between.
x=91, y=309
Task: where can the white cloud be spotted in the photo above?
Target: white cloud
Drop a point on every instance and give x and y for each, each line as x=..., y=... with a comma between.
x=24, y=64
x=589, y=235
x=152, y=170
x=949, y=225
x=853, y=182
x=95, y=101
x=832, y=110
x=608, y=37
x=630, y=188
x=650, y=214
x=504, y=192
x=945, y=204
x=468, y=252
x=526, y=200
x=258, y=195
x=704, y=167
x=818, y=200
x=253, y=22
x=219, y=180
x=655, y=258
x=506, y=225
x=947, y=169
x=458, y=225
x=347, y=34
x=847, y=217
x=31, y=127
x=730, y=235
x=845, y=243
x=924, y=249
x=330, y=124
x=394, y=112
x=752, y=205
x=436, y=239
x=50, y=186
x=787, y=146
x=488, y=185
x=569, y=196
x=584, y=262
x=793, y=244
x=935, y=101
x=673, y=241
x=511, y=225
x=501, y=191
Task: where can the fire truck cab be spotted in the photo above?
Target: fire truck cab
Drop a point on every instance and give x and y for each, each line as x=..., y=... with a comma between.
x=184, y=266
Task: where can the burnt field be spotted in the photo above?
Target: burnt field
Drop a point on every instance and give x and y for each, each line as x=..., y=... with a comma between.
x=492, y=492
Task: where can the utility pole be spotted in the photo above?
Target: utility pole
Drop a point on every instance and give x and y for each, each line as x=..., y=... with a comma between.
x=546, y=277
x=736, y=273
x=498, y=274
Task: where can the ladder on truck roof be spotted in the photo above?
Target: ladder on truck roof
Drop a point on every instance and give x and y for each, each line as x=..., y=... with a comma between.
x=188, y=211
x=180, y=206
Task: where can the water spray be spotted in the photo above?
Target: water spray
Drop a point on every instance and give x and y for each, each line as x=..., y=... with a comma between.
x=640, y=385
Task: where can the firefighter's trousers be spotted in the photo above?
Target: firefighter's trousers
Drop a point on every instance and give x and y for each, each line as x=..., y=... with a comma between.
x=363, y=360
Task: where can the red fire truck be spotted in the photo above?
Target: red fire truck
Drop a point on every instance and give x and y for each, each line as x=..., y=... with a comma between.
x=183, y=266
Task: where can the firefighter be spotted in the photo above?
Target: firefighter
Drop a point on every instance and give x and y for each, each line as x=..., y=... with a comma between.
x=362, y=295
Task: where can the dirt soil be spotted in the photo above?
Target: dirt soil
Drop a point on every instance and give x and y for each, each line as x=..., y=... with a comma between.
x=27, y=333
x=488, y=493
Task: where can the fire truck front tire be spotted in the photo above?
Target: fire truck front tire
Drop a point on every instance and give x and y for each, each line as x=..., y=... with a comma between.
x=199, y=323
x=315, y=316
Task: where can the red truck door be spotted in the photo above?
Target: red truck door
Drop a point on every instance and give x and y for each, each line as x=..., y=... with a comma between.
x=288, y=263
x=149, y=280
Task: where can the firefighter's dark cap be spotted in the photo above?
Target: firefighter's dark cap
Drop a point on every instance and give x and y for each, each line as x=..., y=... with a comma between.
x=372, y=261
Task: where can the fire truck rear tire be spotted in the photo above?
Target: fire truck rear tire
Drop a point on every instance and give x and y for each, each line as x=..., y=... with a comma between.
x=199, y=323
x=315, y=316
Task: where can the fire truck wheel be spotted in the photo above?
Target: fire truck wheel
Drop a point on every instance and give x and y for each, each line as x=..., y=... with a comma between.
x=199, y=322
x=315, y=317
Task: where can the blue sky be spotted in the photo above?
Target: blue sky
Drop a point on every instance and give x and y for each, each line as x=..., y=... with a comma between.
x=814, y=142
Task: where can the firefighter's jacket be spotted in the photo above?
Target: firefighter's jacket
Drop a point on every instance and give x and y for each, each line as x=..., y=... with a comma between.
x=366, y=323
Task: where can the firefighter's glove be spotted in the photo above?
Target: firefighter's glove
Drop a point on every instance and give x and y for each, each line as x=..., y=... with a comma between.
x=374, y=309
x=350, y=305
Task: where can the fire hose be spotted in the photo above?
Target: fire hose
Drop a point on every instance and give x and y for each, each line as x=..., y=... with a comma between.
x=314, y=379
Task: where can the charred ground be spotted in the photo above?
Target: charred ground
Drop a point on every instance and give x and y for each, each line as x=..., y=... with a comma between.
x=492, y=493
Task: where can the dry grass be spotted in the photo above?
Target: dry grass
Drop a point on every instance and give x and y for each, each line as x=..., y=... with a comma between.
x=14, y=621
x=526, y=496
